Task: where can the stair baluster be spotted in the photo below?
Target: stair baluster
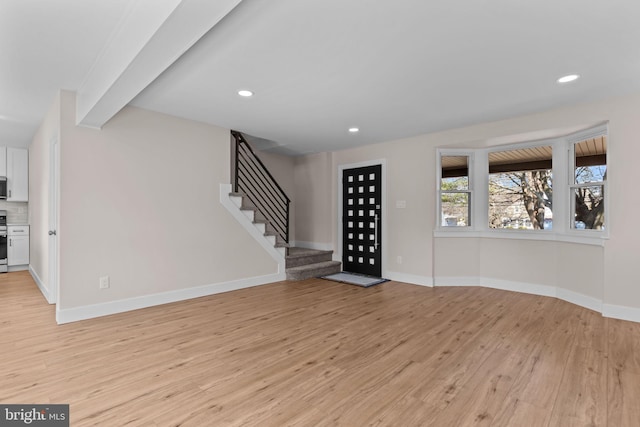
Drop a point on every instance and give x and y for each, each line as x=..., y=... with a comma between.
x=255, y=183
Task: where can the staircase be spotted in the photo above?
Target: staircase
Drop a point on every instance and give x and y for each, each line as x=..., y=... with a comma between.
x=259, y=221
x=262, y=206
x=302, y=263
x=259, y=190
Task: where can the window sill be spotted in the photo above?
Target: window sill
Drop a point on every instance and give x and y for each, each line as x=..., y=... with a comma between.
x=594, y=238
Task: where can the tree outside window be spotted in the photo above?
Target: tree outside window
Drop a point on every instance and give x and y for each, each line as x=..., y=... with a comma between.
x=521, y=189
x=520, y=186
x=455, y=193
x=588, y=190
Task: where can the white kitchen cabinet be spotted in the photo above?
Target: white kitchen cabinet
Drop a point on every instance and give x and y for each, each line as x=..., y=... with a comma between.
x=18, y=245
x=17, y=174
x=3, y=161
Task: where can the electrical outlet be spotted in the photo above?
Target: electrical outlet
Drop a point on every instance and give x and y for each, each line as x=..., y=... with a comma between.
x=104, y=282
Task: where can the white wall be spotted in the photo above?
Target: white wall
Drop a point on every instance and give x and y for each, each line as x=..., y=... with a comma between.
x=604, y=273
x=282, y=169
x=139, y=202
x=314, y=201
x=406, y=231
x=39, y=193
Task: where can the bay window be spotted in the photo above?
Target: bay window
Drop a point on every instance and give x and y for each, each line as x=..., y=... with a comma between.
x=547, y=189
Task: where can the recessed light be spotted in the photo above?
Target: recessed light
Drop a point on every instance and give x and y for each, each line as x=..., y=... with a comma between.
x=569, y=78
x=245, y=93
x=354, y=130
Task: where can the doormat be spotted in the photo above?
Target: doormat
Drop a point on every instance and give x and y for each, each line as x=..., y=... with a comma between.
x=355, y=279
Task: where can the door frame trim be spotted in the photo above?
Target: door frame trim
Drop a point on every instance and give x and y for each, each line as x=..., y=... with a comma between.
x=53, y=213
x=383, y=185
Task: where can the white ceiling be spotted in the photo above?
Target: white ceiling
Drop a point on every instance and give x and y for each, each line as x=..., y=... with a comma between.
x=318, y=67
x=46, y=46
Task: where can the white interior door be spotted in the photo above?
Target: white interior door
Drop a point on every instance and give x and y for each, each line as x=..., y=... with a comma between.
x=54, y=162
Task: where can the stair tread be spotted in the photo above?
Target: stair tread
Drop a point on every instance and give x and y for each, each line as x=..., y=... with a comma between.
x=314, y=266
x=248, y=207
x=298, y=256
x=318, y=269
x=296, y=252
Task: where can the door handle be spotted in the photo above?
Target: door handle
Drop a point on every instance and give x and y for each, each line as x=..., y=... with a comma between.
x=375, y=233
x=52, y=232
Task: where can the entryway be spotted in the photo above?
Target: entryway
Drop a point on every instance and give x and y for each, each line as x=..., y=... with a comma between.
x=362, y=220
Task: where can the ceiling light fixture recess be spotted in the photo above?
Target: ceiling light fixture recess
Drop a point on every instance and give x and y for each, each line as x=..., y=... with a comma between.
x=354, y=130
x=568, y=78
x=245, y=93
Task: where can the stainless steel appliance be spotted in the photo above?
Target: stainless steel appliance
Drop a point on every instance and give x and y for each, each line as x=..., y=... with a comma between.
x=3, y=187
x=3, y=242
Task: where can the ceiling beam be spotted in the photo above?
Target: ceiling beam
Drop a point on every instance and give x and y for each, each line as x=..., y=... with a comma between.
x=151, y=36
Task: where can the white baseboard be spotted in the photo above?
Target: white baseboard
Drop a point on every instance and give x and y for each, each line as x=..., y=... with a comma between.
x=113, y=307
x=313, y=245
x=582, y=300
x=456, y=281
x=41, y=286
x=621, y=312
x=523, y=287
x=409, y=278
x=505, y=285
x=586, y=301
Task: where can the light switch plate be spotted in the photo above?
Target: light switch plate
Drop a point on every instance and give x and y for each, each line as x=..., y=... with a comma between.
x=104, y=282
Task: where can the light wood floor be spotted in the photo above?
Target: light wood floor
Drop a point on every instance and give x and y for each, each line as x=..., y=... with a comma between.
x=319, y=353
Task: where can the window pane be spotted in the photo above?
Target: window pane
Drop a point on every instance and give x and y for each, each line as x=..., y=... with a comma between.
x=520, y=189
x=455, y=209
x=588, y=208
x=455, y=173
x=591, y=160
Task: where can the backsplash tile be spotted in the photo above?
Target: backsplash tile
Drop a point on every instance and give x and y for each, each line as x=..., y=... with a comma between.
x=17, y=212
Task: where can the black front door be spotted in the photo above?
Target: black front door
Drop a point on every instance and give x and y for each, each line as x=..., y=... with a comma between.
x=362, y=220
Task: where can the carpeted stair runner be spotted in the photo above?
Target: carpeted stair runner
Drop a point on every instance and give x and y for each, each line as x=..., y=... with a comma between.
x=303, y=263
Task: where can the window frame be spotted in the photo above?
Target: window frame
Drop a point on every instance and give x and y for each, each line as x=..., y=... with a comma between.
x=563, y=170
x=523, y=145
x=452, y=152
x=572, y=140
